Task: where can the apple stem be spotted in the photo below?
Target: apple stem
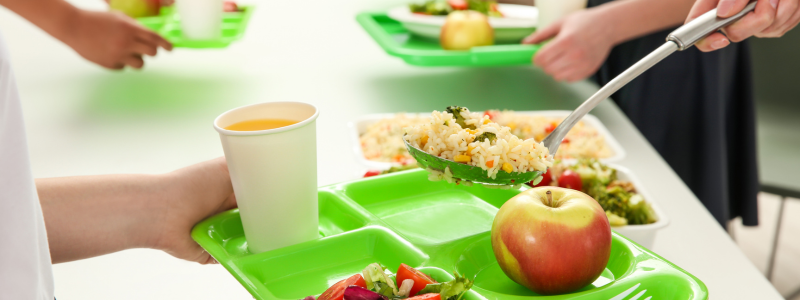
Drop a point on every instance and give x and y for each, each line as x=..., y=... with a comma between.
x=549, y=198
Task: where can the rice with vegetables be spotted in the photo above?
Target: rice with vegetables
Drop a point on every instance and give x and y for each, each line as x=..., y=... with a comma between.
x=582, y=141
x=473, y=139
x=382, y=140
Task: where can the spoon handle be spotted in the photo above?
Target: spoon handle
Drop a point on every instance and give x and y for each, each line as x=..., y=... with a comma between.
x=553, y=140
x=680, y=39
x=686, y=35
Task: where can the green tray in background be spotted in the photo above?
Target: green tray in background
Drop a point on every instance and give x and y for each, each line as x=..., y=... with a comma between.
x=434, y=226
x=418, y=51
x=168, y=25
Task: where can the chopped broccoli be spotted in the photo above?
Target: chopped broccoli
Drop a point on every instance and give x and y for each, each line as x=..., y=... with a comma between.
x=456, y=111
x=486, y=135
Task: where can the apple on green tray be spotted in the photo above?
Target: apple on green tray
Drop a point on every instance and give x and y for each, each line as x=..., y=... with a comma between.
x=552, y=240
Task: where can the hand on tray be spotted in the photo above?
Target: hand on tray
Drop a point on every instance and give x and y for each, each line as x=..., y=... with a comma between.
x=112, y=40
x=579, y=46
x=771, y=18
x=201, y=191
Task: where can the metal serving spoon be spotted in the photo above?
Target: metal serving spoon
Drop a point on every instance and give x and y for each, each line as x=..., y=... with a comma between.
x=681, y=39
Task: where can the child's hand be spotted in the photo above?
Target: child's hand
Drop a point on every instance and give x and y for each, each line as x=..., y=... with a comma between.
x=196, y=193
x=581, y=42
x=112, y=40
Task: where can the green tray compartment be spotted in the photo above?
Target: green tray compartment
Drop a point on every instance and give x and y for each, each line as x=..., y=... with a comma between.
x=419, y=51
x=455, y=211
x=360, y=223
x=168, y=25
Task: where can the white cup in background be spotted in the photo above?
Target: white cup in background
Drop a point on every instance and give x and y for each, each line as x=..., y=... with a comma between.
x=553, y=10
x=200, y=19
x=274, y=173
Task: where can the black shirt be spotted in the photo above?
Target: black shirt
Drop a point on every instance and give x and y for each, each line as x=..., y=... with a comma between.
x=697, y=111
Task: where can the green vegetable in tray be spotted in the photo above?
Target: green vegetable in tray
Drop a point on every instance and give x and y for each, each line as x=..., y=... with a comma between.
x=443, y=8
x=592, y=172
x=486, y=135
x=456, y=112
x=435, y=8
x=619, y=199
x=451, y=290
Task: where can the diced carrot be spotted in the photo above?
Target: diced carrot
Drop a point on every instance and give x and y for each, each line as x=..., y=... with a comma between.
x=490, y=163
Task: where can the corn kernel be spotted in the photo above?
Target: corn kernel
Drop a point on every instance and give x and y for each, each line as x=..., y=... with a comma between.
x=507, y=167
x=462, y=158
x=469, y=150
x=486, y=121
x=424, y=140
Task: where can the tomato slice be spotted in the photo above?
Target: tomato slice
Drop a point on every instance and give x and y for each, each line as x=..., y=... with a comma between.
x=458, y=4
x=420, y=279
x=571, y=180
x=428, y=296
x=336, y=291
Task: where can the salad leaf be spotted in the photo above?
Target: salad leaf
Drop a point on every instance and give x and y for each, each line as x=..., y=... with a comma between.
x=451, y=290
x=486, y=135
x=593, y=172
x=456, y=112
x=372, y=274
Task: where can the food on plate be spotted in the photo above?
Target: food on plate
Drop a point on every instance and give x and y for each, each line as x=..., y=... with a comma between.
x=230, y=6
x=570, y=180
x=377, y=283
x=466, y=29
x=419, y=279
x=336, y=291
x=473, y=139
x=443, y=8
x=552, y=240
x=623, y=205
x=546, y=179
x=136, y=8
x=582, y=141
x=382, y=140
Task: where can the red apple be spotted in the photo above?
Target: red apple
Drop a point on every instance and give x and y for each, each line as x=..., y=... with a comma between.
x=552, y=240
x=136, y=8
x=465, y=29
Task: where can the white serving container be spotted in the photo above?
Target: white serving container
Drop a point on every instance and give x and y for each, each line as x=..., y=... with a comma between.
x=518, y=22
x=359, y=126
x=642, y=234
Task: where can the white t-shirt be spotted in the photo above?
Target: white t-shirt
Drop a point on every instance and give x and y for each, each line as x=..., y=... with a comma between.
x=26, y=272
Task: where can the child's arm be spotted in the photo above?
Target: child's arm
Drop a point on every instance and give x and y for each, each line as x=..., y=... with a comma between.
x=582, y=41
x=89, y=216
x=111, y=40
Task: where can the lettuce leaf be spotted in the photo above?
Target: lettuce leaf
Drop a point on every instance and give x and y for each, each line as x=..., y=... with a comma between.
x=451, y=290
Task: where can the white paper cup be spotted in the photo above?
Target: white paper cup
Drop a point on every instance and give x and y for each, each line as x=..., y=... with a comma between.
x=274, y=173
x=553, y=10
x=200, y=19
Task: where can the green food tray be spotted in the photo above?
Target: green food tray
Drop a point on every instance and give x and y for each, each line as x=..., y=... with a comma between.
x=168, y=25
x=433, y=226
x=419, y=51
